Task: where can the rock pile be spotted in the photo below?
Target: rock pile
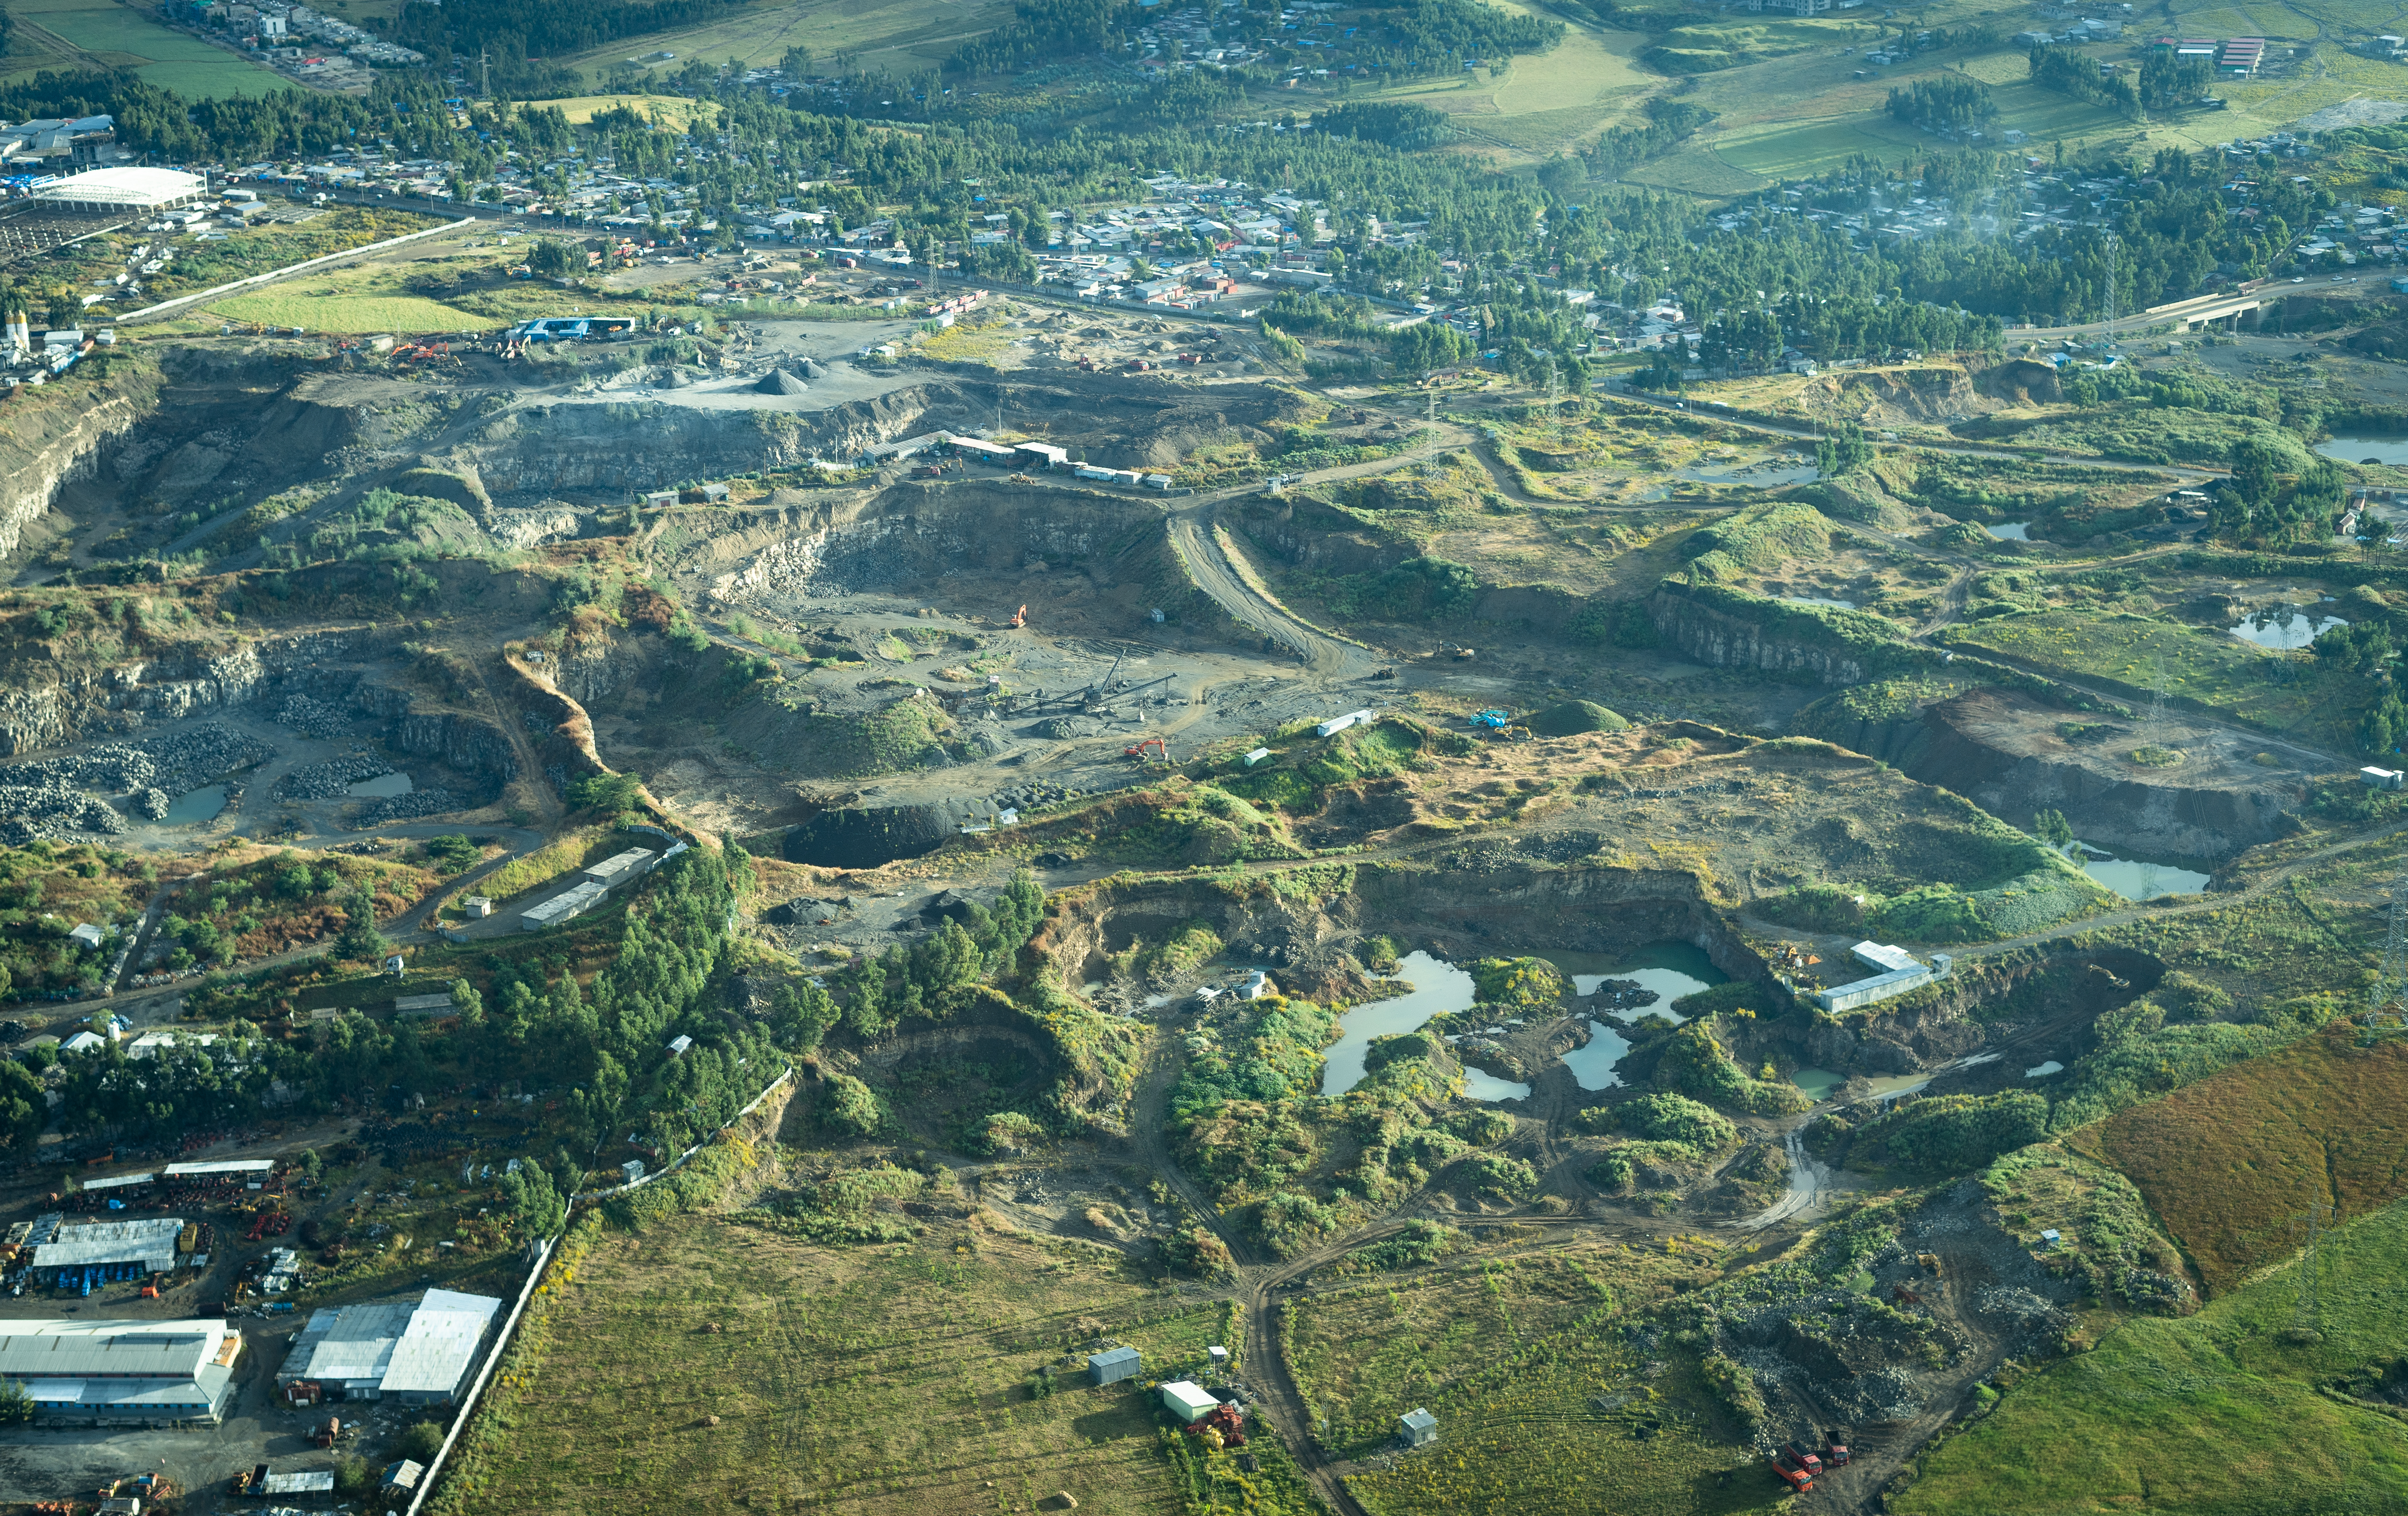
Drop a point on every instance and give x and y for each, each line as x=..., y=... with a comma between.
x=54, y=797
x=402, y=808
x=313, y=716
x=778, y=381
x=150, y=804
x=333, y=779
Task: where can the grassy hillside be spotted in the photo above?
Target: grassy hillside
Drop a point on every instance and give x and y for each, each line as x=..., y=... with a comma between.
x=2228, y=1161
x=2216, y=1413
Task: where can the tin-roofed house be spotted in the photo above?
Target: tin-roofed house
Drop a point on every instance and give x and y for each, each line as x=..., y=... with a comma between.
x=1417, y=1428
x=1113, y=1366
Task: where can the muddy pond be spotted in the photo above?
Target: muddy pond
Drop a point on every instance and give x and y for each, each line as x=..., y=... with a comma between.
x=1668, y=970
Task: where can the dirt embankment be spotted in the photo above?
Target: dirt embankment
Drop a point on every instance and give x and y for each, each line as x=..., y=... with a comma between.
x=2014, y=756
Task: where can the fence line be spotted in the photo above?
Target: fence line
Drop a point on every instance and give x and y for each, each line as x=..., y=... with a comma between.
x=527, y=1293
x=164, y=306
x=502, y=1341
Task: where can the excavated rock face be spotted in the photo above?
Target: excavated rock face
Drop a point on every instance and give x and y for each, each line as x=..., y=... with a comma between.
x=1717, y=640
x=2012, y=756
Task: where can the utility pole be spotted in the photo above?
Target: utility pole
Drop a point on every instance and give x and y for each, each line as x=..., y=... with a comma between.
x=485, y=78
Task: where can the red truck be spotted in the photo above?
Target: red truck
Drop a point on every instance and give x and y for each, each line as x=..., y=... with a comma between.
x=1798, y=1480
x=1835, y=1452
x=1796, y=1453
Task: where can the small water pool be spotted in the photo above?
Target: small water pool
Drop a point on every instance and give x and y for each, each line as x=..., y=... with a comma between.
x=383, y=787
x=2358, y=449
x=1671, y=969
x=2009, y=530
x=2136, y=879
x=2042, y=1071
x=1438, y=988
x=1591, y=1066
x=1818, y=1083
x=1479, y=1085
x=2285, y=631
x=198, y=805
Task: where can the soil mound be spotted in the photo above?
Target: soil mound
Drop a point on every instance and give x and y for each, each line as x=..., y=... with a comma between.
x=866, y=837
x=1572, y=717
x=778, y=381
x=813, y=369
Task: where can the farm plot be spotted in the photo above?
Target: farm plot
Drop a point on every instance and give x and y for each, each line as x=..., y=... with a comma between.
x=892, y=34
x=113, y=36
x=348, y=313
x=2227, y=1162
x=1367, y=1355
x=708, y=1364
x=2227, y=1411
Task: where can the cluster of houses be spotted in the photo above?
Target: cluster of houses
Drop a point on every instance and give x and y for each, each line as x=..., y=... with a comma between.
x=295, y=37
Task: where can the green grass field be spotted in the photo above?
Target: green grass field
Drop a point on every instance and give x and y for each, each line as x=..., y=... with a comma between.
x=902, y=36
x=886, y=1378
x=106, y=34
x=2222, y=673
x=1367, y=1355
x=1551, y=100
x=2220, y=1412
x=347, y=312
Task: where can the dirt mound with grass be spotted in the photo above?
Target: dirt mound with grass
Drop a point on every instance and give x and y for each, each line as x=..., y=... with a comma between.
x=1572, y=717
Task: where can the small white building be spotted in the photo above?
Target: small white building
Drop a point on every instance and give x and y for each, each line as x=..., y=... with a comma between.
x=1417, y=1428
x=1340, y=723
x=477, y=907
x=1187, y=1401
x=1257, y=985
x=2380, y=779
x=91, y=937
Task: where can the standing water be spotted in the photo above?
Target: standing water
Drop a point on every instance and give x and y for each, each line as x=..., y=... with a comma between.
x=195, y=806
x=1438, y=988
x=383, y=787
x=2136, y=879
x=1671, y=969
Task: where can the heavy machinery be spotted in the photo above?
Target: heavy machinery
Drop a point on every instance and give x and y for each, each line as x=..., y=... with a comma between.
x=1798, y=1480
x=1835, y=1452
x=1798, y=1454
x=1494, y=720
x=1160, y=749
x=1020, y=618
x=1191, y=358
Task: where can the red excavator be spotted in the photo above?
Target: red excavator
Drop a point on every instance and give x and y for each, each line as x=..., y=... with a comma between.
x=1020, y=618
x=1161, y=749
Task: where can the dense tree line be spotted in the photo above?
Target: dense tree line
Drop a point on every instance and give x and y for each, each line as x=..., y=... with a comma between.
x=1944, y=102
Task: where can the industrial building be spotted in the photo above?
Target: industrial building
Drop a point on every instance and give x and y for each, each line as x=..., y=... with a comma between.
x=132, y=191
x=1113, y=1366
x=82, y=1257
x=1896, y=973
x=413, y=1352
x=569, y=903
x=633, y=863
x=123, y=1373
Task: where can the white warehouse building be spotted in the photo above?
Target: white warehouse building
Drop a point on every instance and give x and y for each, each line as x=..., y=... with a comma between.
x=132, y=191
x=413, y=1352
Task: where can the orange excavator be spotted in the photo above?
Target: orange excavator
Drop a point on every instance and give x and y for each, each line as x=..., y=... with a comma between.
x=1160, y=749
x=1020, y=618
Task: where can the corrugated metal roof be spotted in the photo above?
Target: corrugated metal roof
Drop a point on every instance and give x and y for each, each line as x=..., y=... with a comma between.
x=231, y=1165
x=434, y=1355
x=108, y=1349
x=348, y=1346
x=320, y=1483
x=151, y=1243
x=119, y=1181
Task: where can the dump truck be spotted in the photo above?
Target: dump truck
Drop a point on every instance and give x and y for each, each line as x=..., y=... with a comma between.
x=1835, y=1452
x=1797, y=1479
x=1798, y=1454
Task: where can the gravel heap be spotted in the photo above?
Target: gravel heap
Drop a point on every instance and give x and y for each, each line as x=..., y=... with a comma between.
x=1025, y=797
x=54, y=797
x=150, y=804
x=313, y=716
x=332, y=779
x=402, y=808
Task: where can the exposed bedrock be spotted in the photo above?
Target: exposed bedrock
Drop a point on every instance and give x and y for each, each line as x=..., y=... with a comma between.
x=2014, y=756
